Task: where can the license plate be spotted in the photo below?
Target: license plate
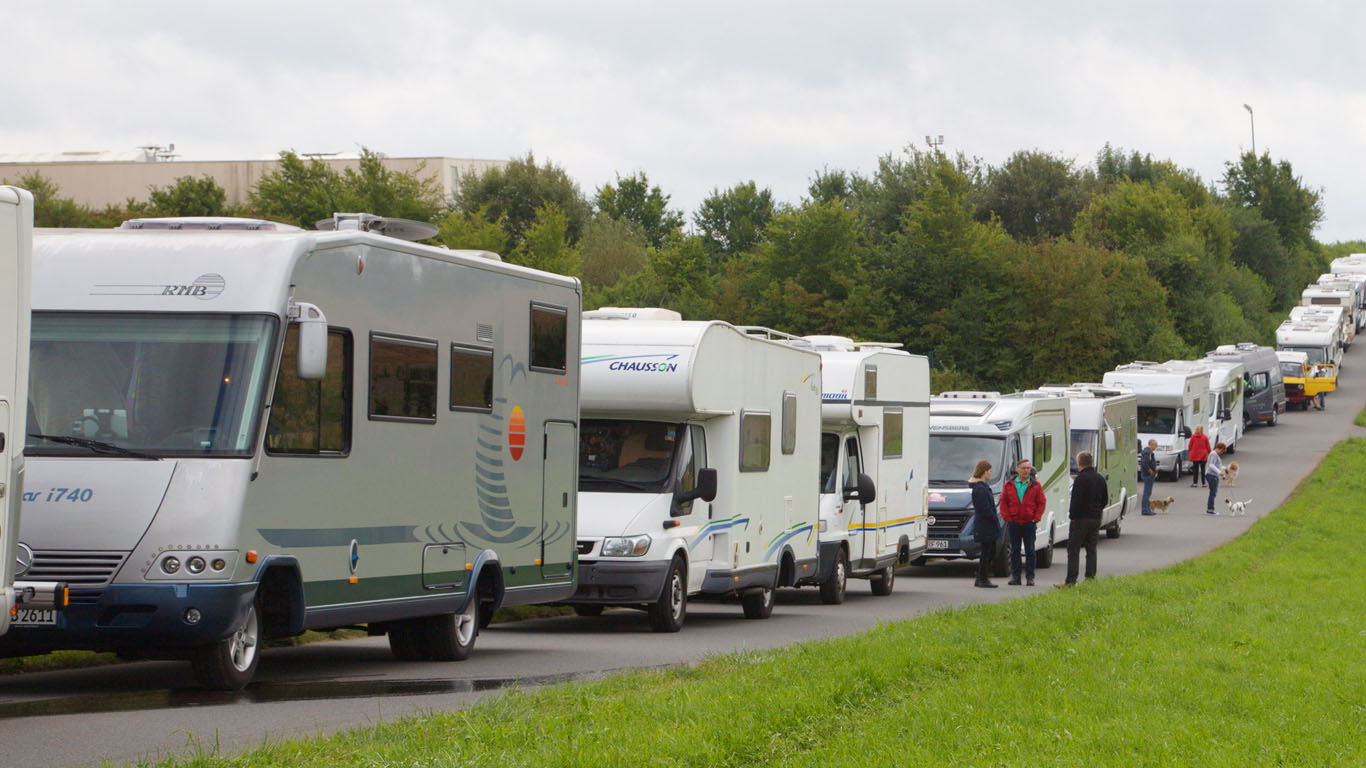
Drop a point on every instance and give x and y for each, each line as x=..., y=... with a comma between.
x=35, y=617
x=938, y=543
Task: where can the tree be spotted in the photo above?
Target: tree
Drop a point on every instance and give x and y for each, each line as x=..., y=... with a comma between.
x=677, y=276
x=50, y=209
x=633, y=200
x=189, y=196
x=828, y=186
x=472, y=231
x=899, y=182
x=733, y=221
x=612, y=249
x=545, y=244
x=303, y=193
x=1035, y=195
x=515, y=194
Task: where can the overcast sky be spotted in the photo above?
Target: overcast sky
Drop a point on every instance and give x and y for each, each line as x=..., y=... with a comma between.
x=699, y=95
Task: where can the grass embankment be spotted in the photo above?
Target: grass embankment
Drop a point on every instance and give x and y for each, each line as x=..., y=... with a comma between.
x=1361, y=418
x=1252, y=655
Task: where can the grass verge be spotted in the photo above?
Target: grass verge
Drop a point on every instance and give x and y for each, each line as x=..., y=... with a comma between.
x=1361, y=418
x=1254, y=654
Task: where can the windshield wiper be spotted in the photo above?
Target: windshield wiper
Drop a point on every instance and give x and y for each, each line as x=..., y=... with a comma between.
x=948, y=483
x=97, y=446
x=615, y=481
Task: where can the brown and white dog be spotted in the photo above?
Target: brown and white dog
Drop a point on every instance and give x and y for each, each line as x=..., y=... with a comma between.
x=1161, y=505
x=1231, y=473
x=1236, y=508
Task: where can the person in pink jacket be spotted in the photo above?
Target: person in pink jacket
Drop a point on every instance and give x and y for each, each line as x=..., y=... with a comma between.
x=1198, y=450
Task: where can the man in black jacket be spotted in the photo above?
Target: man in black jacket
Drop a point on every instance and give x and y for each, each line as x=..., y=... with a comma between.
x=1089, y=497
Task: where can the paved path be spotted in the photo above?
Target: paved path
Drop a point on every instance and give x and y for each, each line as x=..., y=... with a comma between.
x=141, y=710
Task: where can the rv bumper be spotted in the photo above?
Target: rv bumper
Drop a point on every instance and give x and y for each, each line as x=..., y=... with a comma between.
x=138, y=617
x=726, y=582
x=610, y=582
x=953, y=547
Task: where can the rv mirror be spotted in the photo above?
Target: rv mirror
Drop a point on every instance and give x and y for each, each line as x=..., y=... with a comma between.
x=705, y=488
x=1186, y=432
x=1109, y=439
x=865, y=491
x=312, y=342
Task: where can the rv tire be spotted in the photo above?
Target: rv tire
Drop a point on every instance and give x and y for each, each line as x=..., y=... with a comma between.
x=451, y=636
x=1000, y=565
x=758, y=604
x=1044, y=559
x=883, y=581
x=1271, y=422
x=408, y=640
x=230, y=663
x=668, y=611
x=1112, y=531
x=833, y=588
x=587, y=609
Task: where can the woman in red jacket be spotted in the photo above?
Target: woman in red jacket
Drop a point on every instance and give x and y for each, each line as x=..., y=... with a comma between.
x=1198, y=450
x=1022, y=503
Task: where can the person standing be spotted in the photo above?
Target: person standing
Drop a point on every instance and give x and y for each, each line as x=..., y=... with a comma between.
x=1022, y=507
x=1147, y=468
x=1089, y=497
x=1214, y=470
x=1198, y=450
x=986, y=529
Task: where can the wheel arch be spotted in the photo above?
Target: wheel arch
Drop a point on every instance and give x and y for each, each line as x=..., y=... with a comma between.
x=280, y=587
x=486, y=581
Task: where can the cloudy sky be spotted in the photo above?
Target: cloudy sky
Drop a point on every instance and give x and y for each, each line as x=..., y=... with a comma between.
x=700, y=95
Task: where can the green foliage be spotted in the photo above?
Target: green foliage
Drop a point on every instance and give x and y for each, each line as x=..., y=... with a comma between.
x=677, y=276
x=612, y=249
x=633, y=200
x=546, y=246
x=829, y=186
x=189, y=196
x=1036, y=195
x=304, y=193
x=733, y=221
x=473, y=231
x=899, y=182
x=515, y=195
x=1273, y=189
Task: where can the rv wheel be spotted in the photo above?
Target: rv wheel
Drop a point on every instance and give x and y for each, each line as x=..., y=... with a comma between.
x=759, y=603
x=451, y=636
x=832, y=589
x=882, y=586
x=229, y=664
x=1112, y=532
x=666, y=613
x=486, y=614
x=1044, y=559
x=408, y=640
x=586, y=609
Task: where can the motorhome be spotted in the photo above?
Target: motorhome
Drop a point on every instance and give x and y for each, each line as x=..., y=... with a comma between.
x=242, y=430
x=1333, y=295
x=698, y=462
x=1264, y=397
x=966, y=427
x=1226, y=420
x=875, y=404
x=1317, y=339
x=1304, y=381
x=1172, y=399
x=1104, y=421
x=1355, y=282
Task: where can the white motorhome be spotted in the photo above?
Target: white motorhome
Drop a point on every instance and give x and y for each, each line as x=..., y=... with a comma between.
x=1356, y=283
x=243, y=430
x=1264, y=396
x=1226, y=419
x=966, y=427
x=1171, y=401
x=1343, y=296
x=697, y=466
x=1318, y=338
x=874, y=434
x=1104, y=421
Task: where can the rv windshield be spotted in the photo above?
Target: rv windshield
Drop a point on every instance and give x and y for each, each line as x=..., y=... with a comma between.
x=1082, y=440
x=1316, y=354
x=1156, y=421
x=147, y=385
x=631, y=456
x=953, y=457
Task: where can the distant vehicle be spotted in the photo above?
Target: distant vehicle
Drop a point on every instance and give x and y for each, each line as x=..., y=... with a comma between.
x=874, y=434
x=24, y=602
x=1226, y=419
x=1171, y=401
x=966, y=427
x=1304, y=381
x=1264, y=397
x=243, y=430
x=1335, y=295
x=1104, y=421
x=1356, y=282
x=697, y=465
x=1317, y=338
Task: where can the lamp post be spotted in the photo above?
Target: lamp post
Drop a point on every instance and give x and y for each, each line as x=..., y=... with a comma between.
x=1253, y=123
x=935, y=142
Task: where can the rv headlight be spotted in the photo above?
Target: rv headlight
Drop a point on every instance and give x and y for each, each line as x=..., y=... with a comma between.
x=1165, y=447
x=170, y=564
x=195, y=564
x=626, y=546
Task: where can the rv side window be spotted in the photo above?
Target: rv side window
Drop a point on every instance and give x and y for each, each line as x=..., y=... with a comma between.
x=830, y=452
x=756, y=438
x=549, y=338
x=852, y=464
x=1195, y=409
x=312, y=418
x=891, y=433
x=471, y=378
x=1043, y=449
x=870, y=382
x=1258, y=382
x=402, y=379
x=789, y=423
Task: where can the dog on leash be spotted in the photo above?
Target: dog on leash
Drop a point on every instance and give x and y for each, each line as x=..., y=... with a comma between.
x=1231, y=472
x=1236, y=508
x=1161, y=505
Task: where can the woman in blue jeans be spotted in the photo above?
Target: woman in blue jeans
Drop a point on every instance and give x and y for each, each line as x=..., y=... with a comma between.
x=1214, y=470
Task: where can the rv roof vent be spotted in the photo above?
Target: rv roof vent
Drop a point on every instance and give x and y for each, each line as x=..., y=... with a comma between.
x=632, y=313
x=760, y=332
x=211, y=223
x=968, y=395
x=831, y=343
x=1224, y=349
x=402, y=229
x=975, y=410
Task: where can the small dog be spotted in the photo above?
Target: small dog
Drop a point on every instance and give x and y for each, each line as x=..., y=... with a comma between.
x=1231, y=472
x=1161, y=505
x=1236, y=508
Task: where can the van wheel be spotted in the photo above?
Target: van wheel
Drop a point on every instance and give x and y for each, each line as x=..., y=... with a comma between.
x=1271, y=422
x=1000, y=565
x=230, y=663
x=407, y=640
x=759, y=603
x=1044, y=559
x=451, y=636
x=668, y=611
x=882, y=586
x=1112, y=532
x=833, y=588
x=587, y=610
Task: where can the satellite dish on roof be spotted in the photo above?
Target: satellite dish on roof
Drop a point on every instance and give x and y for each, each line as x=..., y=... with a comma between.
x=403, y=229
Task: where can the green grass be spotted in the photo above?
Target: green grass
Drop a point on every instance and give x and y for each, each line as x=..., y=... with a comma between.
x=1361, y=418
x=1254, y=654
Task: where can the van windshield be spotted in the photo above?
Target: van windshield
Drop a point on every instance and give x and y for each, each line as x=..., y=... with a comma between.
x=159, y=385
x=1082, y=440
x=1316, y=354
x=630, y=456
x=1293, y=370
x=953, y=457
x=1156, y=421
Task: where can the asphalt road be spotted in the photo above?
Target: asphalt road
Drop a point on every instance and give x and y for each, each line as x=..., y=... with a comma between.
x=150, y=709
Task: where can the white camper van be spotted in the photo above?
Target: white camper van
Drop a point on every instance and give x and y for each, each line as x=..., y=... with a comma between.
x=1104, y=421
x=697, y=466
x=874, y=434
x=966, y=427
x=1226, y=420
x=1171, y=401
x=1344, y=297
x=1356, y=284
x=1317, y=338
x=244, y=430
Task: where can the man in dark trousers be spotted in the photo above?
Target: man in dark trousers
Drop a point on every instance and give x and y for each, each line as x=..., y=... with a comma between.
x=1089, y=497
x=1147, y=469
x=1022, y=507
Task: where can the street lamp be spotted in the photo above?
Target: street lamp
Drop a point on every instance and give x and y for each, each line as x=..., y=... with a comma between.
x=1253, y=123
x=935, y=142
